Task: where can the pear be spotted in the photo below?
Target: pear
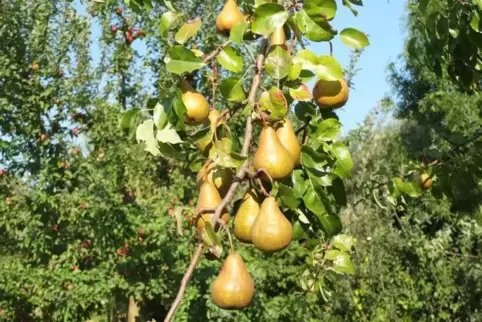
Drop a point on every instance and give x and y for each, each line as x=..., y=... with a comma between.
x=246, y=215
x=278, y=38
x=233, y=288
x=288, y=139
x=330, y=94
x=271, y=231
x=229, y=17
x=272, y=156
x=220, y=177
x=209, y=198
x=425, y=181
x=197, y=107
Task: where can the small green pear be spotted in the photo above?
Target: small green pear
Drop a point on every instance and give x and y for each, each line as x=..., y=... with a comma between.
x=246, y=215
x=271, y=231
x=233, y=288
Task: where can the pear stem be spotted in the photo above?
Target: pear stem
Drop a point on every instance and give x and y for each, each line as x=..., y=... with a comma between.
x=226, y=228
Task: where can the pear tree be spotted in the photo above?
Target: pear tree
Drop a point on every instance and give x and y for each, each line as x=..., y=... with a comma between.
x=284, y=181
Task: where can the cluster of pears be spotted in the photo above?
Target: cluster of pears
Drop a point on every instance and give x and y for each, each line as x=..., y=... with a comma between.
x=258, y=221
x=267, y=228
x=278, y=150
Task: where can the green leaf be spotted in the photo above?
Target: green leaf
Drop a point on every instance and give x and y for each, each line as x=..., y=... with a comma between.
x=211, y=240
x=301, y=93
x=354, y=38
x=344, y=162
x=411, y=188
x=232, y=90
x=341, y=261
x=274, y=103
x=179, y=217
x=188, y=30
x=168, y=20
x=347, y=4
x=477, y=2
x=222, y=155
x=288, y=197
x=182, y=60
x=278, y=63
x=127, y=118
x=323, y=7
x=316, y=28
x=160, y=115
x=305, y=110
x=331, y=224
x=344, y=242
x=328, y=130
x=475, y=22
x=295, y=70
x=269, y=17
x=299, y=184
x=328, y=68
x=236, y=34
x=314, y=204
x=145, y=133
x=168, y=135
x=230, y=59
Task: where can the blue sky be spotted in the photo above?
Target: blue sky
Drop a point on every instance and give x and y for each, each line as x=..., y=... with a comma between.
x=382, y=21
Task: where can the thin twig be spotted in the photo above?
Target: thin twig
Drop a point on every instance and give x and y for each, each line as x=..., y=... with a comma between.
x=215, y=52
x=184, y=282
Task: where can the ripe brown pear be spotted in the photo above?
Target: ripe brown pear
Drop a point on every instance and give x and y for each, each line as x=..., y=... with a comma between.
x=271, y=231
x=246, y=215
x=272, y=156
x=330, y=94
x=209, y=198
x=197, y=107
x=425, y=181
x=229, y=17
x=233, y=288
x=220, y=177
x=288, y=139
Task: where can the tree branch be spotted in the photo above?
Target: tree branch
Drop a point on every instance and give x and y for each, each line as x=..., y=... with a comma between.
x=248, y=132
x=215, y=52
x=184, y=282
x=239, y=176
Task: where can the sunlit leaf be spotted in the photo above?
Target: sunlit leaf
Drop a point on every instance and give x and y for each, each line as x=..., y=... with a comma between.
x=230, y=59
x=354, y=38
x=187, y=31
x=182, y=60
x=268, y=17
x=168, y=135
